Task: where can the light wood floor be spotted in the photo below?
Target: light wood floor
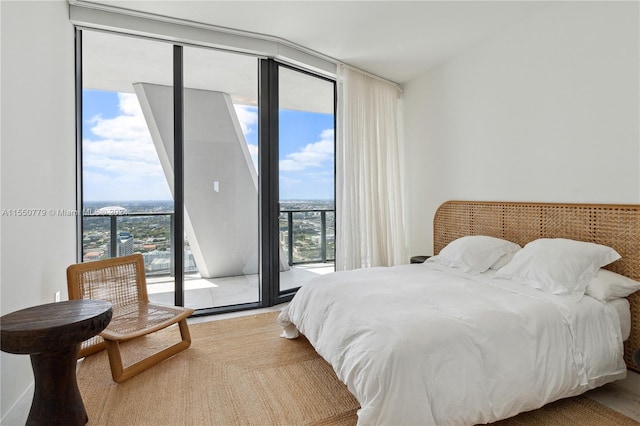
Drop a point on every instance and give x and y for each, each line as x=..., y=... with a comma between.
x=622, y=396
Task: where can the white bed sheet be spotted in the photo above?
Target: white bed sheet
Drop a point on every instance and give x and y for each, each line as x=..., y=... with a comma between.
x=624, y=315
x=418, y=344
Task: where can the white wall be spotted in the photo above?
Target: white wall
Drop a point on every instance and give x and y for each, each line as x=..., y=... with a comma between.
x=547, y=110
x=38, y=160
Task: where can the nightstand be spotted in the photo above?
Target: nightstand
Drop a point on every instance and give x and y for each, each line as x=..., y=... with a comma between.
x=419, y=259
x=52, y=335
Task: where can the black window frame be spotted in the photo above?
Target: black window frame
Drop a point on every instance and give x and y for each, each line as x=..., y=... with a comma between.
x=269, y=205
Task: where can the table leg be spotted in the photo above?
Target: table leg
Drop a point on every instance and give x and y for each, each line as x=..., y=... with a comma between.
x=56, y=399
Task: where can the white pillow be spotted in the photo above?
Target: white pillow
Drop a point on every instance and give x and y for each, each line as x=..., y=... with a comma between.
x=474, y=254
x=607, y=285
x=557, y=265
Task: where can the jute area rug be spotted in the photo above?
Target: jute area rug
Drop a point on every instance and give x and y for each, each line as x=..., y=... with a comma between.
x=240, y=372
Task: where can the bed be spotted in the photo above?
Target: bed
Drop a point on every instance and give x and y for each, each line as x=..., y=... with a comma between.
x=441, y=343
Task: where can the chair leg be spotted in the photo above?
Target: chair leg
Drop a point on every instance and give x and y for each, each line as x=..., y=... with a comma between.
x=184, y=332
x=120, y=374
x=115, y=359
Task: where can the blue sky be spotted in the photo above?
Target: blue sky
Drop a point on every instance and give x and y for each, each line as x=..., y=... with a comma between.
x=120, y=162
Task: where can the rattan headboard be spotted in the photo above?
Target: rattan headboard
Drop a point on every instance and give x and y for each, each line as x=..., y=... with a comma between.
x=613, y=225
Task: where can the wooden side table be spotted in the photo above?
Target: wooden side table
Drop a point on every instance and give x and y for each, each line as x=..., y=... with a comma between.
x=51, y=334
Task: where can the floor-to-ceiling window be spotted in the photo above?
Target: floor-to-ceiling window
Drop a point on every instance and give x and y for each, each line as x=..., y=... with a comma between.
x=127, y=200
x=129, y=171
x=221, y=177
x=306, y=166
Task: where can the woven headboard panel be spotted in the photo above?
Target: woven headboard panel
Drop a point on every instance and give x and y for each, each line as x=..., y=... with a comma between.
x=613, y=225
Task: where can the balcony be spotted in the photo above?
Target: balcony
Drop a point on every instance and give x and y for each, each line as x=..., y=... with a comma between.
x=306, y=236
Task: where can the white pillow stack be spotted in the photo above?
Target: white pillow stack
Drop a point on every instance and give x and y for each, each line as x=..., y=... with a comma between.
x=557, y=265
x=607, y=285
x=475, y=254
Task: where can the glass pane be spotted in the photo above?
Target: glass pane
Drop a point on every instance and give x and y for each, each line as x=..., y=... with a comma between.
x=307, y=170
x=221, y=178
x=128, y=203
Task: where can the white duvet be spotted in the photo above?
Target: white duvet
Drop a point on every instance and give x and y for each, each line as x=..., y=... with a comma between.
x=423, y=345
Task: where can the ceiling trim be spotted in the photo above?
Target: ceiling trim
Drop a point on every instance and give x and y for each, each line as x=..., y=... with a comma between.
x=90, y=15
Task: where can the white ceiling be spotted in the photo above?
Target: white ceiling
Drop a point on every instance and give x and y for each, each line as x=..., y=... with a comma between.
x=115, y=63
x=397, y=40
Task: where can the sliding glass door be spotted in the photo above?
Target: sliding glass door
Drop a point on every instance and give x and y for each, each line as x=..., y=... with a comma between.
x=127, y=201
x=306, y=141
x=216, y=166
x=220, y=178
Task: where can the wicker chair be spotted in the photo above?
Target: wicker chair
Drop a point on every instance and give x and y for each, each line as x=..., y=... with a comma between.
x=121, y=281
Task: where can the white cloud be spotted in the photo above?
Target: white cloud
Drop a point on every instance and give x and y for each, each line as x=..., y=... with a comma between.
x=253, y=151
x=312, y=155
x=322, y=177
x=119, y=163
x=121, y=153
x=289, y=181
x=130, y=125
x=139, y=150
x=326, y=134
x=100, y=187
x=129, y=105
x=248, y=116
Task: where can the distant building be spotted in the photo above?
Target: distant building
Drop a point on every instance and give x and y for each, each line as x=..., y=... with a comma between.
x=159, y=261
x=159, y=265
x=125, y=244
x=92, y=255
x=112, y=210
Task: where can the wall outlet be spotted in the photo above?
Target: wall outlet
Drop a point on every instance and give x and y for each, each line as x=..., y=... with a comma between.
x=57, y=297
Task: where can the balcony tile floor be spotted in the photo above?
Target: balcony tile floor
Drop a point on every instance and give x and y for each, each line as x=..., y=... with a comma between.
x=216, y=292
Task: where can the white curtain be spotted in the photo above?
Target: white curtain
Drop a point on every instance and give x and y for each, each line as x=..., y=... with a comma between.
x=369, y=203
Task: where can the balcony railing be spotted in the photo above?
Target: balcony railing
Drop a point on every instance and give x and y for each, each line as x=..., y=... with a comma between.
x=303, y=228
x=307, y=236
x=157, y=230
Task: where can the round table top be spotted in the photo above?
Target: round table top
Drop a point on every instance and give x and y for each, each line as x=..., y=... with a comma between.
x=45, y=328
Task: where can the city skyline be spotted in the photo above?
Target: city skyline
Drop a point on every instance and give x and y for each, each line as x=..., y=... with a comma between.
x=120, y=162
x=145, y=227
x=123, y=208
